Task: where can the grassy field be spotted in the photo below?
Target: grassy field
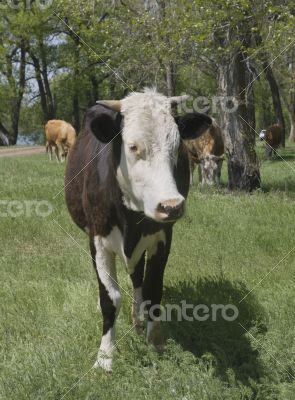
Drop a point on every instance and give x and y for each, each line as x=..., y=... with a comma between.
x=224, y=247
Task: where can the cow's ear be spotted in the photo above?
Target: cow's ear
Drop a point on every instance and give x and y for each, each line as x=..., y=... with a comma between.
x=192, y=125
x=106, y=126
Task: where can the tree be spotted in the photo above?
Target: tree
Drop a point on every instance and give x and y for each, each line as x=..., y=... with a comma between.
x=276, y=98
x=286, y=74
x=243, y=169
x=225, y=33
x=39, y=57
x=14, y=76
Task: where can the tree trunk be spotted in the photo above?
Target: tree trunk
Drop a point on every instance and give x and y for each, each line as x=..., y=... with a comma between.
x=4, y=134
x=94, y=88
x=155, y=7
x=171, y=79
x=291, y=105
x=243, y=168
x=276, y=98
x=250, y=100
x=49, y=97
x=40, y=85
x=76, y=107
x=40, y=66
x=292, y=122
x=3, y=140
x=18, y=92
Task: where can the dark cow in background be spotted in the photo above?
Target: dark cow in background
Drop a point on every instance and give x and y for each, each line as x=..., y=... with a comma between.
x=126, y=181
x=208, y=152
x=272, y=137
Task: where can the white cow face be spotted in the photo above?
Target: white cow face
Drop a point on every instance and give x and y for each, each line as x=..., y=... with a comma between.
x=149, y=153
x=262, y=134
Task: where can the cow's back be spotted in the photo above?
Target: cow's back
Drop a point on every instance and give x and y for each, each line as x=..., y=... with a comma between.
x=59, y=131
x=70, y=135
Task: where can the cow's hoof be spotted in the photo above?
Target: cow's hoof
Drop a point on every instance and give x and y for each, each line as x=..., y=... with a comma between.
x=159, y=347
x=155, y=337
x=104, y=362
x=139, y=327
x=136, y=321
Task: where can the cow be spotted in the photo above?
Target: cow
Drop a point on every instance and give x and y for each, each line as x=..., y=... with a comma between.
x=207, y=151
x=272, y=136
x=60, y=135
x=126, y=182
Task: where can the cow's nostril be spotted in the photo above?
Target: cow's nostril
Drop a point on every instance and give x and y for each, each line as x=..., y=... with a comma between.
x=171, y=208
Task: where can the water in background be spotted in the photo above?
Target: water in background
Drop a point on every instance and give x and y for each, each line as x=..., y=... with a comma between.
x=30, y=140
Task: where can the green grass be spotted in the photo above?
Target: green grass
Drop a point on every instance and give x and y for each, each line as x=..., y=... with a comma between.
x=50, y=327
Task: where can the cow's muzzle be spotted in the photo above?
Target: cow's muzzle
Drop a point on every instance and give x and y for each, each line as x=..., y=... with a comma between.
x=170, y=210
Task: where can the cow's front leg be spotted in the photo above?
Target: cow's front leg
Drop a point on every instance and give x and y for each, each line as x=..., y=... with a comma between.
x=153, y=288
x=57, y=152
x=110, y=300
x=137, y=279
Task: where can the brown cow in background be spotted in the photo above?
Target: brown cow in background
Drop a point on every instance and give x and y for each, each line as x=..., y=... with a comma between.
x=207, y=151
x=60, y=135
x=272, y=137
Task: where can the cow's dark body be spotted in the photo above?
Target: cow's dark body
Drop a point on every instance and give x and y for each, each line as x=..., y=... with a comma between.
x=273, y=138
x=95, y=202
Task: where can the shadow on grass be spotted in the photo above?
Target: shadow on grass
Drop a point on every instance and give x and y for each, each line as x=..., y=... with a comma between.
x=287, y=187
x=281, y=157
x=226, y=341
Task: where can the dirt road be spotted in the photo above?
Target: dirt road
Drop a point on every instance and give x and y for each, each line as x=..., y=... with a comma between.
x=21, y=151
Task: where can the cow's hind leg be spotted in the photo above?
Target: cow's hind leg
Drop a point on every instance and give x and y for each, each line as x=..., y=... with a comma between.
x=59, y=152
x=50, y=151
x=200, y=174
x=137, y=280
x=192, y=170
x=110, y=300
x=218, y=174
x=153, y=288
x=56, y=153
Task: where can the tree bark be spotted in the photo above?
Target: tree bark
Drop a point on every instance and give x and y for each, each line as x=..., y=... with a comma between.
x=250, y=99
x=17, y=89
x=76, y=107
x=41, y=72
x=171, y=79
x=155, y=7
x=94, y=88
x=291, y=105
x=243, y=168
x=292, y=122
x=4, y=134
x=276, y=98
x=44, y=71
x=39, y=80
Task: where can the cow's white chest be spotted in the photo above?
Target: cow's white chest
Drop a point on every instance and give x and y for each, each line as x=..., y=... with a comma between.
x=114, y=242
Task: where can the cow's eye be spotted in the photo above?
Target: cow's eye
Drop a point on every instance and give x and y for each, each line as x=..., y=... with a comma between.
x=133, y=148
